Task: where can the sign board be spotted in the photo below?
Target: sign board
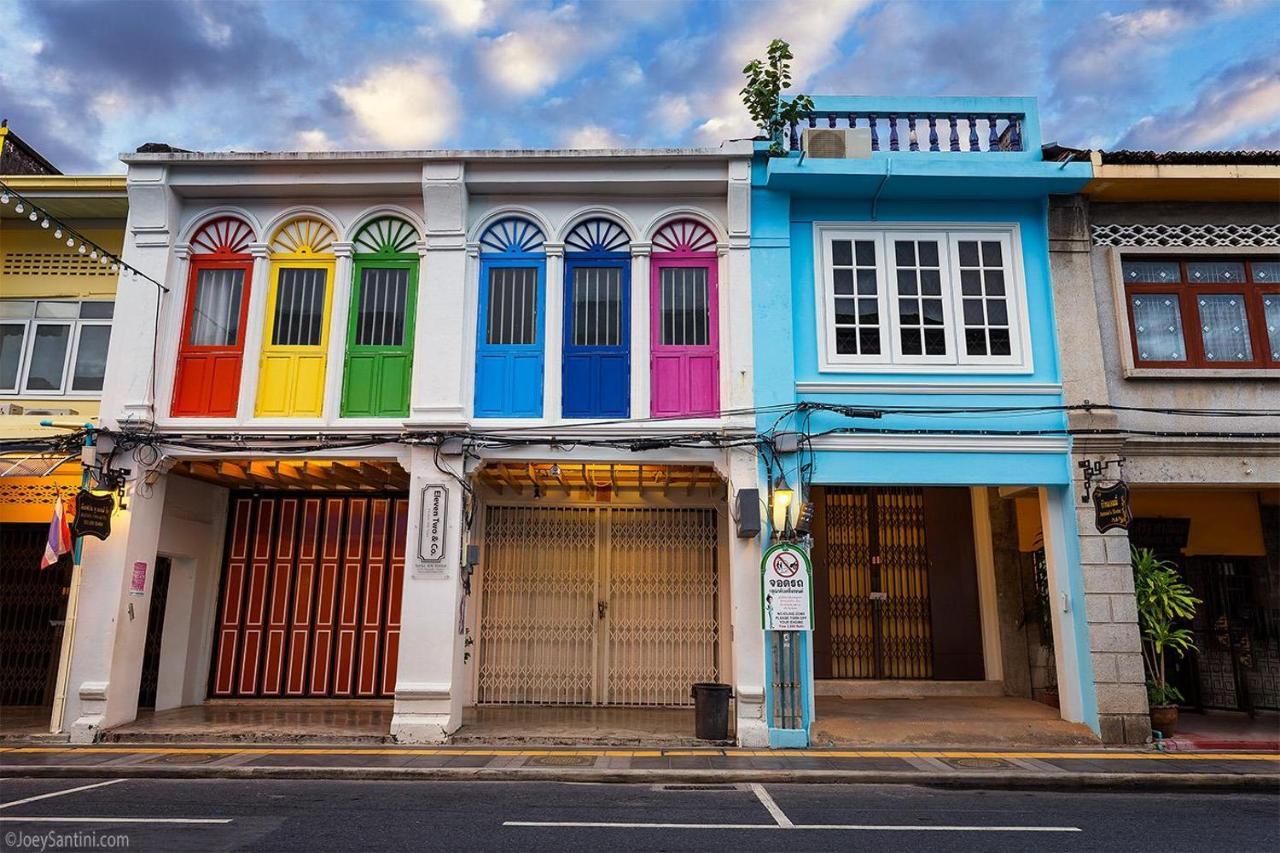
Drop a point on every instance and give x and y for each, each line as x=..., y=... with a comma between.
x=434, y=526
x=786, y=589
x=138, y=580
x=1111, y=507
x=93, y=514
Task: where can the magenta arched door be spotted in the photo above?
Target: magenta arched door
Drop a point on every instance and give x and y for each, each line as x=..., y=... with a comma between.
x=684, y=322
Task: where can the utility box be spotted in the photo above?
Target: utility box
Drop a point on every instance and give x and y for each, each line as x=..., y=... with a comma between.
x=747, y=513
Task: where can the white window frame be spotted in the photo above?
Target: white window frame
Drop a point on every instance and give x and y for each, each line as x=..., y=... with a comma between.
x=69, y=357
x=891, y=359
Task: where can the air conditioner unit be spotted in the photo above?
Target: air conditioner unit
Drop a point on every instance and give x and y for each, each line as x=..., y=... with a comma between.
x=10, y=409
x=50, y=413
x=836, y=143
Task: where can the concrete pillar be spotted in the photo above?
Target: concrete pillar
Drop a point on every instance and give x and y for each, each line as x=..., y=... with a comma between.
x=1112, y=614
x=1066, y=606
x=430, y=677
x=110, y=629
x=744, y=592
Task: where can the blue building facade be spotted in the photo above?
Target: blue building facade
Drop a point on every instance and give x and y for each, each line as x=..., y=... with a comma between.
x=907, y=368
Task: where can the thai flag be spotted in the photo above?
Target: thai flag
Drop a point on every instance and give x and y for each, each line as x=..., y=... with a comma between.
x=59, y=541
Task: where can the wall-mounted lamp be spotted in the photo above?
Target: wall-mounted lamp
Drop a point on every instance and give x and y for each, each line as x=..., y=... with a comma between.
x=783, y=509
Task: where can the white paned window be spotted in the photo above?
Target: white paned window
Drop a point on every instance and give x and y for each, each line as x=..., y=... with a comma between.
x=53, y=348
x=915, y=299
x=513, y=306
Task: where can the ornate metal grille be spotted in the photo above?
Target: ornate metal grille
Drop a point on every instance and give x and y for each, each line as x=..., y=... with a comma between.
x=878, y=571
x=33, y=604
x=588, y=605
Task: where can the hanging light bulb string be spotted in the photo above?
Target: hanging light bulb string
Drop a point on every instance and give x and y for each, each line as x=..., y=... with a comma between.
x=61, y=230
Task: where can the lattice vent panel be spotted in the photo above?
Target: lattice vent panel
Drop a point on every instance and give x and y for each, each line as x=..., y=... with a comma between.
x=1184, y=234
x=52, y=263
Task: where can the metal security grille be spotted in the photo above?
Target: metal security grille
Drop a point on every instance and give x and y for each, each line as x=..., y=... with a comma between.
x=878, y=573
x=299, y=308
x=684, y=309
x=33, y=604
x=587, y=605
x=513, y=306
x=215, y=316
x=380, y=321
x=597, y=306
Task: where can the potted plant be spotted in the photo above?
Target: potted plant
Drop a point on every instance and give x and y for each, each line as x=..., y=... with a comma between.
x=1164, y=600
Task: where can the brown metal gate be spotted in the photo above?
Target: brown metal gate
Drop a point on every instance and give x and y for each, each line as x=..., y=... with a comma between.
x=33, y=605
x=310, y=596
x=877, y=576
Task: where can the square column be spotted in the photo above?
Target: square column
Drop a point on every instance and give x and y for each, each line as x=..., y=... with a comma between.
x=109, y=624
x=744, y=591
x=430, y=678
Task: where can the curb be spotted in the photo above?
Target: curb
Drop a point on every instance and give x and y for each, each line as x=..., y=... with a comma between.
x=1147, y=782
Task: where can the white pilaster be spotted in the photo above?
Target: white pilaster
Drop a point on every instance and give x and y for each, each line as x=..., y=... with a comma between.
x=640, y=343
x=1075, y=670
x=553, y=329
x=430, y=678
x=740, y=469
x=338, y=315
x=254, y=331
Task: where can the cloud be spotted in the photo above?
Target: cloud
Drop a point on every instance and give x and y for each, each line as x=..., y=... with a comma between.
x=542, y=47
x=1242, y=100
x=313, y=139
x=462, y=15
x=405, y=105
x=592, y=136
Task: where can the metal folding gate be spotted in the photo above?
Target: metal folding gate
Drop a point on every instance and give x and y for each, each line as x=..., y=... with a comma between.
x=597, y=605
x=310, y=597
x=878, y=569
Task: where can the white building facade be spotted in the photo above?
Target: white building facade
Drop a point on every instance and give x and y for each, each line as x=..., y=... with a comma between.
x=439, y=429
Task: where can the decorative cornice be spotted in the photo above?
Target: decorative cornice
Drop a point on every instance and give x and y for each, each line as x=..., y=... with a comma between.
x=909, y=443
x=854, y=387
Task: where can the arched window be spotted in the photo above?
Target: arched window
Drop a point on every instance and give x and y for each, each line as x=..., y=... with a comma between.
x=685, y=346
x=597, y=321
x=377, y=374
x=296, y=340
x=509, y=343
x=211, y=353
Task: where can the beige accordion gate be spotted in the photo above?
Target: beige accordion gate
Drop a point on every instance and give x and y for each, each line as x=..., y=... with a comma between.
x=597, y=605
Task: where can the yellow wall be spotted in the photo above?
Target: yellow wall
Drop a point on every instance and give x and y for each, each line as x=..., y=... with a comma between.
x=1223, y=522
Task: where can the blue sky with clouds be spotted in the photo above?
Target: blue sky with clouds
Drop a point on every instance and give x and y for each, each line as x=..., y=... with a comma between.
x=83, y=80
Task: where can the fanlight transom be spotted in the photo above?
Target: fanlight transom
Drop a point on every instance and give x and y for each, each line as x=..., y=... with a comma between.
x=388, y=235
x=225, y=235
x=684, y=236
x=305, y=236
x=597, y=236
x=512, y=235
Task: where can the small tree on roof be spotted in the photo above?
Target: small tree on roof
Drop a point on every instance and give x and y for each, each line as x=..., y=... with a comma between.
x=762, y=94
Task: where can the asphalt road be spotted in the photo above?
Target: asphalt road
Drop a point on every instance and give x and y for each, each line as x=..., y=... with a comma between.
x=306, y=816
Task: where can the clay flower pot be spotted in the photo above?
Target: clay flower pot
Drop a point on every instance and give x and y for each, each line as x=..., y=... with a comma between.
x=1164, y=719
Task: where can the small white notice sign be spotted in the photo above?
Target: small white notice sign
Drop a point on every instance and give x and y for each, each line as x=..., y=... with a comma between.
x=786, y=589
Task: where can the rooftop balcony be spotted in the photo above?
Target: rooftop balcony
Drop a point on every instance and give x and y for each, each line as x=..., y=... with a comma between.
x=924, y=148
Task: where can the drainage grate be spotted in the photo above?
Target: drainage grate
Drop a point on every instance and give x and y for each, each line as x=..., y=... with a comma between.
x=561, y=760
x=977, y=763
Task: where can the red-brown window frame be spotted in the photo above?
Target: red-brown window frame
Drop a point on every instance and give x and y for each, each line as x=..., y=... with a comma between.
x=1189, y=311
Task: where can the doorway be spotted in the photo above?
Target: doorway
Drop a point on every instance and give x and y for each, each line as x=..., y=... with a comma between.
x=155, y=627
x=33, y=607
x=588, y=605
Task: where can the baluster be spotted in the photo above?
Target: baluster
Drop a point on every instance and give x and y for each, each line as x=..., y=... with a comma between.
x=913, y=140
x=831, y=119
x=994, y=142
x=874, y=122
x=813, y=120
x=853, y=121
x=1015, y=138
x=794, y=135
x=933, y=132
x=973, y=132
x=955, y=133
x=893, y=132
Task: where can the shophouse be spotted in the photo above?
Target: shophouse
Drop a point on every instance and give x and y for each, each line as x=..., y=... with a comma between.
x=420, y=432
x=57, y=300
x=1167, y=268
x=904, y=311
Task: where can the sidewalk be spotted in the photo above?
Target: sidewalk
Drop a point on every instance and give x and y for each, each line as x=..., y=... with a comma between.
x=1065, y=768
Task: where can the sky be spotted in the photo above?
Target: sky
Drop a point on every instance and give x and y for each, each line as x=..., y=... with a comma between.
x=83, y=80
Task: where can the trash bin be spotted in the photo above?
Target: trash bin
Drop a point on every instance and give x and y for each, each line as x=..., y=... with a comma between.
x=711, y=710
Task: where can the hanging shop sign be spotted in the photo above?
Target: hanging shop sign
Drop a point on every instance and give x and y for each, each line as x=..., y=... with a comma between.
x=786, y=589
x=93, y=514
x=1111, y=507
x=432, y=529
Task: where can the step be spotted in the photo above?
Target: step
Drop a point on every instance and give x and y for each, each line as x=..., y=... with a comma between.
x=871, y=688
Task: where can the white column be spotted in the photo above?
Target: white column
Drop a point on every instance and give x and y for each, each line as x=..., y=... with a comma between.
x=988, y=604
x=255, y=331
x=553, y=342
x=170, y=334
x=740, y=469
x=430, y=677
x=1066, y=604
x=335, y=362
x=736, y=355
x=640, y=344
x=111, y=622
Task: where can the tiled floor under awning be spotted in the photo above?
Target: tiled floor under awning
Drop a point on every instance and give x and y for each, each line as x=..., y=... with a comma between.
x=262, y=721
x=566, y=725
x=999, y=721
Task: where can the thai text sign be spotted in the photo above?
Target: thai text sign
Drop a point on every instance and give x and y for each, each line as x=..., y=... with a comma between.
x=786, y=589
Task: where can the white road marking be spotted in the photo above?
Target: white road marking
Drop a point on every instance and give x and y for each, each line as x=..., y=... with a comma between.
x=199, y=820
x=844, y=826
x=768, y=803
x=59, y=793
